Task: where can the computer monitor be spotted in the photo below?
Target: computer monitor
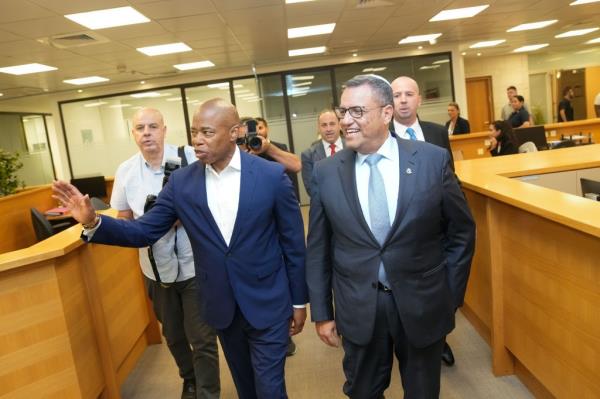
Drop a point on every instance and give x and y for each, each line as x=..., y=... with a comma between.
x=535, y=134
x=589, y=186
x=93, y=186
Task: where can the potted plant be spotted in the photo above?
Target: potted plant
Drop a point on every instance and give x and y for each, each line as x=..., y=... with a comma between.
x=9, y=165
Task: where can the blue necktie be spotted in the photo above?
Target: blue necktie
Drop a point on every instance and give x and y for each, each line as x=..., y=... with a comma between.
x=411, y=133
x=378, y=208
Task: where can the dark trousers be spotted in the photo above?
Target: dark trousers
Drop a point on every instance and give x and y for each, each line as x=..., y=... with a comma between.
x=368, y=367
x=256, y=358
x=192, y=342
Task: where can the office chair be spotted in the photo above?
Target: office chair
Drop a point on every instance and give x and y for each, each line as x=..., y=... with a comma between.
x=98, y=204
x=42, y=227
x=528, y=146
x=564, y=144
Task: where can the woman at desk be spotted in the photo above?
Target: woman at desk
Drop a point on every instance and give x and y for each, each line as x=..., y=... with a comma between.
x=502, y=139
x=520, y=116
x=456, y=124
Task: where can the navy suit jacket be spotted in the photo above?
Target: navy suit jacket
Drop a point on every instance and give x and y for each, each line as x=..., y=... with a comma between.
x=262, y=269
x=427, y=254
x=309, y=158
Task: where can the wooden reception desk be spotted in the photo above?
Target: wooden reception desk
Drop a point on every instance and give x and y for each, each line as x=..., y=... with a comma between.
x=74, y=318
x=534, y=289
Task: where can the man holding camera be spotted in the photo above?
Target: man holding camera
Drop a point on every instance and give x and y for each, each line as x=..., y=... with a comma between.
x=168, y=265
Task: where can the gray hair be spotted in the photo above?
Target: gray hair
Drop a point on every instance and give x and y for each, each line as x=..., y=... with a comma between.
x=380, y=86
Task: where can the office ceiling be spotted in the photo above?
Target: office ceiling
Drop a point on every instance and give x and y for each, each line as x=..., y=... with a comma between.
x=241, y=33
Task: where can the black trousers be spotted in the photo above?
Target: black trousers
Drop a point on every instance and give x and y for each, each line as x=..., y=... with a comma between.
x=192, y=342
x=368, y=367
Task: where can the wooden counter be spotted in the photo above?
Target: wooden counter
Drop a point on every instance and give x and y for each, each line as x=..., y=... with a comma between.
x=74, y=318
x=534, y=289
x=473, y=145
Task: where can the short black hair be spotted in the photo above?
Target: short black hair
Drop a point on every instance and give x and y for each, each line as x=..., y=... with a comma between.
x=261, y=119
x=566, y=90
x=511, y=88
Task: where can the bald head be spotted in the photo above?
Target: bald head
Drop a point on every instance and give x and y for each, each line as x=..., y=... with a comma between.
x=407, y=100
x=149, y=132
x=214, y=131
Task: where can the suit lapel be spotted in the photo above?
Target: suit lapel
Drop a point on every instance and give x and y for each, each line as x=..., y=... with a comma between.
x=408, y=178
x=346, y=169
x=204, y=209
x=247, y=186
x=320, y=152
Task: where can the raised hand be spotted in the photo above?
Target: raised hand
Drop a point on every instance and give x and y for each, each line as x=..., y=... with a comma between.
x=78, y=204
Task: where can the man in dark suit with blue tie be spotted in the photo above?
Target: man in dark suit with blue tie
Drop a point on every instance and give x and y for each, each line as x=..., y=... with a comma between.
x=247, y=236
x=329, y=144
x=380, y=213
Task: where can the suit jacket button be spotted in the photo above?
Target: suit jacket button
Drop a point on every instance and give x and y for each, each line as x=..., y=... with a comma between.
x=374, y=285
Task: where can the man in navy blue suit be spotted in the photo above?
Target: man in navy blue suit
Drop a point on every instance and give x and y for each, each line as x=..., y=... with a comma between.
x=247, y=235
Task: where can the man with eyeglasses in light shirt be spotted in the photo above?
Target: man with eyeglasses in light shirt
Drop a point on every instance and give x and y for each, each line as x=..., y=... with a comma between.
x=390, y=242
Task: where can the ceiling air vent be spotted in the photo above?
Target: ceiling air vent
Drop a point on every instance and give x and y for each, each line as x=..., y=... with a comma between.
x=74, y=40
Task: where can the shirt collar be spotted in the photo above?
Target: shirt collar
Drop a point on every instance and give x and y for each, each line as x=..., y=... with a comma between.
x=400, y=129
x=338, y=143
x=386, y=150
x=235, y=163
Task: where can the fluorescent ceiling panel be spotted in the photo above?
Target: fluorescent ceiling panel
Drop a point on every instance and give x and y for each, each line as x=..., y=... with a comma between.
x=441, y=61
x=194, y=65
x=580, y=2
x=531, y=47
x=305, y=77
x=458, y=13
x=96, y=104
x=420, y=38
x=297, y=1
x=119, y=106
x=27, y=68
x=86, y=81
x=313, y=30
x=577, y=32
x=489, y=43
x=223, y=85
x=307, y=51
x=302, y=84
x=593, y=41
x=533, y=25
x=162, y=49
x=148, y=94
x=108, y=18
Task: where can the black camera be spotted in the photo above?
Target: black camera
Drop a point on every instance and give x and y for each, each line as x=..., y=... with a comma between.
x=251, y=138
x=171, y=165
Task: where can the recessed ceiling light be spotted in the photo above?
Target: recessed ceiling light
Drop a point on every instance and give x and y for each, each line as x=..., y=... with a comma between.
x=577, y=32
x=419, y=38
x=458, y=13
x=533, y=25
x=441, y=61
x=108, y=18
x=305, y=77
x=142, y=82
x=194, y=65
x=489, y=43
x=463, y=53
x=96, y=104
x=593, y=41
x=222, y=85
x=27, y=68
x=297, y=1
x=1, y=94
x=579, y=2
x=478, y=54
x=148, y=94
x=313, y=30
x=307, y=51
x=86, y=81
x=79, y=91
x=531, y=47
x=164, y=49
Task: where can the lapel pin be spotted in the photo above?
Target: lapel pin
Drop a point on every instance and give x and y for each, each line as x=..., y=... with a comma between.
x=408, y=171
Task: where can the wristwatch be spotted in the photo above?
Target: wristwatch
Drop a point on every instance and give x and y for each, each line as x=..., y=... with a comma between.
x=92, y=224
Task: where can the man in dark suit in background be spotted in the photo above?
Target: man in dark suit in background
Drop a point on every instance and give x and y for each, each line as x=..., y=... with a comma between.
x=329, y=144
x=407, y=125
x=249, y=264
x=390, y=240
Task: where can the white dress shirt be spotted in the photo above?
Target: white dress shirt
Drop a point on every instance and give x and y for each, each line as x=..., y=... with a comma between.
x=389, y=166
x=223, y=194
x=327, y=147
x=400, y=130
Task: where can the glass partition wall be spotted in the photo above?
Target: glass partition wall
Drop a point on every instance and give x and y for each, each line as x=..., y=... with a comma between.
x=98, y=131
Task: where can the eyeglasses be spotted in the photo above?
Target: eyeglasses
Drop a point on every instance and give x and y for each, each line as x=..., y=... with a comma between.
x=355, y=112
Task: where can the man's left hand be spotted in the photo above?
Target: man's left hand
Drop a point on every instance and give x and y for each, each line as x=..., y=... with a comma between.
x=297, y=321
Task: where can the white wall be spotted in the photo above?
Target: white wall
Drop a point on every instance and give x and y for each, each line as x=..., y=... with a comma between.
x=505, y=70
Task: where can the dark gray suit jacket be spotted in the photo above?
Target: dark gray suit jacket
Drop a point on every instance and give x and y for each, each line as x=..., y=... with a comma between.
x=427, y=254
x=309, y=158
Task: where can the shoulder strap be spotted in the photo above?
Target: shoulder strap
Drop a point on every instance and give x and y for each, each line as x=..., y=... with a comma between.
x=181, y=154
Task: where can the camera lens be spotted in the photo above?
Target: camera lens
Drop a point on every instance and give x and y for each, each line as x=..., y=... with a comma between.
x=254, y=142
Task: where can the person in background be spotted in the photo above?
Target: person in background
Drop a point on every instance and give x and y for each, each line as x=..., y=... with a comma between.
x=329, y=144
x=507, y=110
x=565, y=109
x=520, y=116
x=169, y=273
x=456, y=124
x=502, y=139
